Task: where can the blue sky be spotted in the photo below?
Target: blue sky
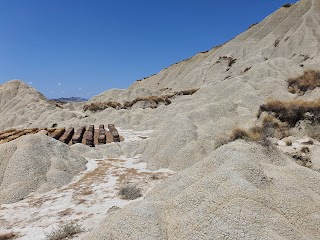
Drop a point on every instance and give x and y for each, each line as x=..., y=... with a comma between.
x=81, y=48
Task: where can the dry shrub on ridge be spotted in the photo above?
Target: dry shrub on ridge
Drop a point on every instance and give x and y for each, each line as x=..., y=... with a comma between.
x=270, y=127
x=292, y=111
x=308, y=81
x=240, y=133
x=156, y=99
x=287, y=5
x=94, y=107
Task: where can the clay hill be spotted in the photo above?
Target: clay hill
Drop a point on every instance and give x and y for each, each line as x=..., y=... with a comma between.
x=239, y=124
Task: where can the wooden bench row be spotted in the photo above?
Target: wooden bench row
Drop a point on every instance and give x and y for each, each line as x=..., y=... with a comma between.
x=82, y=135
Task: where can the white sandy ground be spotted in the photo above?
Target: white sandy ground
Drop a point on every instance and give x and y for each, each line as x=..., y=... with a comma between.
x=86, y=200
x=131, y=135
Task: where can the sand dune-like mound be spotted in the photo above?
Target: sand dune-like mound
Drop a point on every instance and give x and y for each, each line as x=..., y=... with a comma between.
x=290, y=33
x=23, y=106
x=240, y=191
x=35, y=163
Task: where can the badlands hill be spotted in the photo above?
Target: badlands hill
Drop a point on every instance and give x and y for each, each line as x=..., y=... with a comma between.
x=35, y=163
x=23, y=106
x=243, y=189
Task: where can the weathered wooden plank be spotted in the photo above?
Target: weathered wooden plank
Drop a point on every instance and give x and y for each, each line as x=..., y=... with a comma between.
x=31, y=130
x=51, y=130
x=8, y=131
x=77, y=137
x=20, y=134
x=114, y=132
x=66, y=137
x=90, y=136
x=9, y=134
x=102, y=139
x=58, y=133
x=91, y=128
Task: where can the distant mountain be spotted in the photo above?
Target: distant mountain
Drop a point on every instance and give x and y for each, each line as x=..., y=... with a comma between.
x=71, y=99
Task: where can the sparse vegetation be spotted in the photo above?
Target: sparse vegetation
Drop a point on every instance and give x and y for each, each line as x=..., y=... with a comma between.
x=130, y=192
x=64, y=231
x=240, y=133
x=153, y=100
x=94, y=107
x=288, y=142
x=308, y=81
x=270, y=127
x=292, y=111
x=230, y=60
x=305, y=150
x=287, y=5
x=305, y=57
x=252, y=25
x=276, y=43
x=6, y=236
x=303, y=157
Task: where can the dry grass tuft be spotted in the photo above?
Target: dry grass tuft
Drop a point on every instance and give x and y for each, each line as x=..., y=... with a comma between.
x=308, y=81
x=270, y=127
x=305, y=150
x=65, y=231
x=288, y=142
x=130, y=192
x=292, y=111
x=6, y=236
x=240, y=133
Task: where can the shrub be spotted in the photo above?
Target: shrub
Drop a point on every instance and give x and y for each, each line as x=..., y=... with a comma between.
x=292, y=111
x=156, y=99
x=64, y=231
x=239, y=133
x=308, y=81
x=270, y=127
x=130, y=192
x=305, y=150
x=287, y=5
x=252, y=25
x=253, y=134
x=6, y=236
x=94, y=107
x=288, y=142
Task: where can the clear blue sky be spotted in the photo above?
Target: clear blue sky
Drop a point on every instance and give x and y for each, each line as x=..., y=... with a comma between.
x=70, y=48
